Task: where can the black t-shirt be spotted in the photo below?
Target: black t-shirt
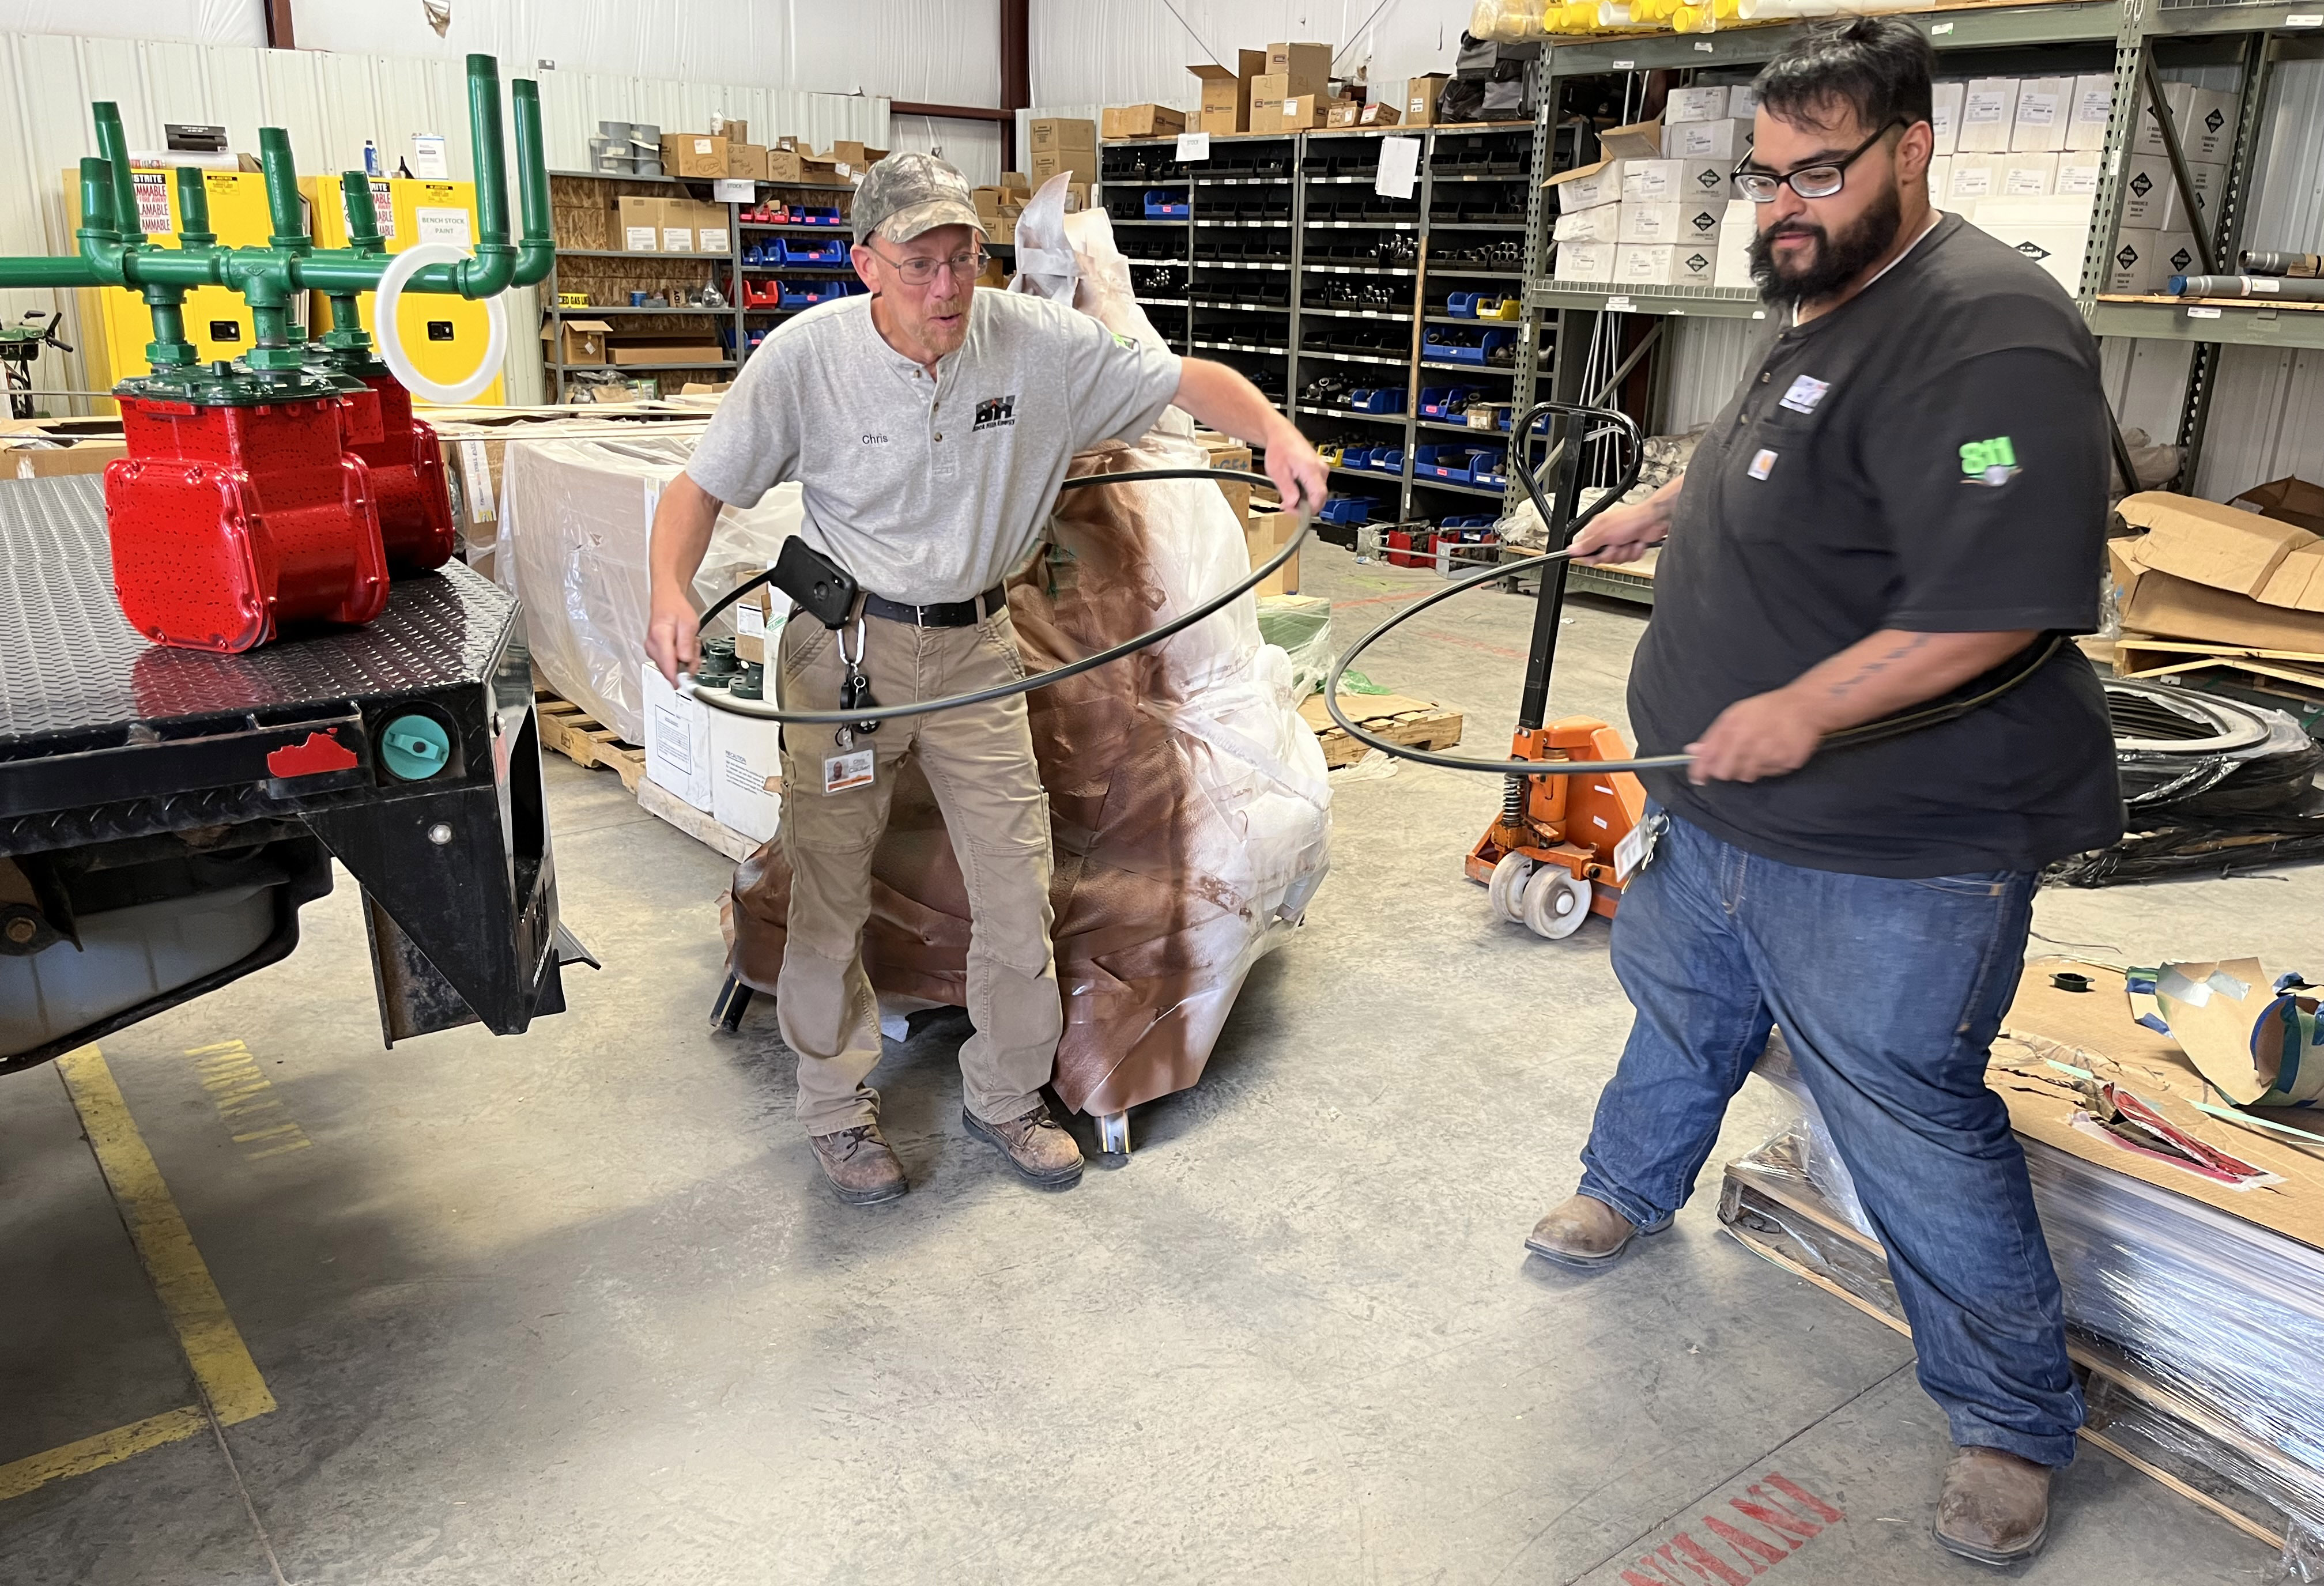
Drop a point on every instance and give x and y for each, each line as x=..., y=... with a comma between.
x=1930, y=456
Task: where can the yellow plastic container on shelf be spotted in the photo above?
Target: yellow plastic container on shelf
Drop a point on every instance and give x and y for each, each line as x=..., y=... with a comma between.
x=444, y=334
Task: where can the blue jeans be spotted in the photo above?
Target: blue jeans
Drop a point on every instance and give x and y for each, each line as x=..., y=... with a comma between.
x=1889, y=993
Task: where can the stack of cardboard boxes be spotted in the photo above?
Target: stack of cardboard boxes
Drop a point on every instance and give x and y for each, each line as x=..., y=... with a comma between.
x=1061, y=146
x=2020, y=158
x=1285, y=87
x=999, y=208
x=672, y=225
x=1660, y=209
x=2223, y=576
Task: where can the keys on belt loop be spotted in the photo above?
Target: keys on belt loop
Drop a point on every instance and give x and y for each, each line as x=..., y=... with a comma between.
x=855, y=688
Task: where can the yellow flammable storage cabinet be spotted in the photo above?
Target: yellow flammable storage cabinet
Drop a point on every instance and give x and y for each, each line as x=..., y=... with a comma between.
x=445, y=334
x=218, y=322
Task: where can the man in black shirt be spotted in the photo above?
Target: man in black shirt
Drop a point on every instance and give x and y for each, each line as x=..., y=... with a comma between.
x=1906, y=498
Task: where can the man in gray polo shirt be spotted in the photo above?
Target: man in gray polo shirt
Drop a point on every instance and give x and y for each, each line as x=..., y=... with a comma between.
x=930, y=426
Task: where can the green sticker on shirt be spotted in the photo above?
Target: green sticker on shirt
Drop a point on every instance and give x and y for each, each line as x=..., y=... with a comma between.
x=1126, y=341
x=1992, y=462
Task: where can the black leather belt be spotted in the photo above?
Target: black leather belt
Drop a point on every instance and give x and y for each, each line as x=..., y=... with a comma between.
x=947, y=613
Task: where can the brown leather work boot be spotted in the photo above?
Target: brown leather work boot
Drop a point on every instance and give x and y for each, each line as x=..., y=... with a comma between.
x=1036, y=1146
x=859, y=1164
x=1995, y=1507
x=1580, y=1233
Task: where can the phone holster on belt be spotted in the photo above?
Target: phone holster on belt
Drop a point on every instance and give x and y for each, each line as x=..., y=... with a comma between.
x=821, y=586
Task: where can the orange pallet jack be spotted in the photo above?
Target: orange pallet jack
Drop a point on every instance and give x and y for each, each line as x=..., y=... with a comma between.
x=1552, y=858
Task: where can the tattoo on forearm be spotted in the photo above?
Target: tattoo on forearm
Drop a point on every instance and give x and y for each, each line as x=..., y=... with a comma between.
x=1873, y=668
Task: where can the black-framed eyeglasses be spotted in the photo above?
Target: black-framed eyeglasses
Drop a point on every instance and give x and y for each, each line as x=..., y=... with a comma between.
x=1819, y=181
x=965, y=265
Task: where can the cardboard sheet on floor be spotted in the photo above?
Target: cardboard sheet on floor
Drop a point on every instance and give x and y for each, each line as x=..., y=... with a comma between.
x=1188, y=803
x=2095, y=1030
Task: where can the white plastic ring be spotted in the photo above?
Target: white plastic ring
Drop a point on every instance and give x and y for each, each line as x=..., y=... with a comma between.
x=402, y=269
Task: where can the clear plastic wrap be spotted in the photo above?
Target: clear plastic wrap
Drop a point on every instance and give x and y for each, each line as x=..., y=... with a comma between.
x=1300, y=626
x=2204, y=1328
x=1189, y=803
x=572, y=547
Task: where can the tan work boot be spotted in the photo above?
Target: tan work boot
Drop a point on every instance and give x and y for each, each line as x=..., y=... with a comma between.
x=1036, y=1146
x=1580, y=1233
x=859, y=1164
x=1995, y=1507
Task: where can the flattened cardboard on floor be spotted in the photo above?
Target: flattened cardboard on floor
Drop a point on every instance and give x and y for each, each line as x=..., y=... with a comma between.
x=2222, y=547
x=2093, y=1029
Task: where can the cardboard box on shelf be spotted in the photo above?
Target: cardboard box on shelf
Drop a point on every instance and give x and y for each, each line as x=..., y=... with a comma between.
x=2288, y=499
x=2208, y=543
x=1692, y=222
x=1014, y=181
x=2089, y=111
x=1145, y=121
x=1640, y=140
x=2205, y=119
x=746, y=161
x=639, y=224
x=1731, y=266
x=1052, y=162
x=1988, y=114
x=1657, y=182
x=712, y=228
x=1308, y=66
x=2131, y=267
x=1226, y=91
x=2044, y=108
x=1944, y=116
x=1701, y=103
x=1053, y=131
x=1343, y=112
x=1377, y=113
x=1648, y=265
x=2150, y=193
x=986, y=199
x=1587, y=186
x=786, y=165
x=2028, y=176
x=1587, y=262
x=583, y=341
x=1600, y=223
x=1728, y=138
x=1420, y=95
x=2079, y=170
x=677, y=221
x=1941, y=176
x=661, y=346
x=695, y=154
x=1296, y=113
x=1973, y=175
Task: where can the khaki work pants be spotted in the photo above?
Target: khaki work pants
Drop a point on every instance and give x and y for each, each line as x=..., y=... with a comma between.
x=979, y=762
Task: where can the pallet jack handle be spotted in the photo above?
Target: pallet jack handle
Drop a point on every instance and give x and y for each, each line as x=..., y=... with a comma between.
x=1561, y=521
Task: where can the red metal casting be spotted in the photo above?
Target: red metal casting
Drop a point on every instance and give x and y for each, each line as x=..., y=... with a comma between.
x=229, y=523
x=406, y=475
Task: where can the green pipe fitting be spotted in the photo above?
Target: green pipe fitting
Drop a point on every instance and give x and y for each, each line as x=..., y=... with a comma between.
x=281, y=170
x=112, y=145
x=194, y=210
x=362, y=214
x=537, y=252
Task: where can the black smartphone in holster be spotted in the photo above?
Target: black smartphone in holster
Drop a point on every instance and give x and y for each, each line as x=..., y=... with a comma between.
x=820, y=586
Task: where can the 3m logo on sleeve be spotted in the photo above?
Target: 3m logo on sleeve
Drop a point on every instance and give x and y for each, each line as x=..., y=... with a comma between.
x=1991, y=462
x=994, y=412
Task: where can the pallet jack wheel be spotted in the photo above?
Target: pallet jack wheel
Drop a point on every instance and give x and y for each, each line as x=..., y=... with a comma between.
x=1556, y=902
x=1507, y=889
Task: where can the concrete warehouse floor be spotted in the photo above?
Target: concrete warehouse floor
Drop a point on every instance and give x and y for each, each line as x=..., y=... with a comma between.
x=575, y=1307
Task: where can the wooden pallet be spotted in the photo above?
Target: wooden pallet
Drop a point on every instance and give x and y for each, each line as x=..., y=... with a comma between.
x=572, y=733
x=1414, y=723
x=2295, y=671
x=2144, y=1422
x=699, y=824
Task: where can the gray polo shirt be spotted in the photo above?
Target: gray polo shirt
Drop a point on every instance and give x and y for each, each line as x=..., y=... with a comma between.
x=925, y=489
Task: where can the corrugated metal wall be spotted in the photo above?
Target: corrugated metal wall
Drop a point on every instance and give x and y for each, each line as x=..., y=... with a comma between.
x=329, y=103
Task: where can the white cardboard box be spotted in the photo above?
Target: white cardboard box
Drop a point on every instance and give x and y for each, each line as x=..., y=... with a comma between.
x=1656, y=264
x=746, y=774
x=677, y=741
x=2079, y=170
x=1944, y=115
x=2053, y=232
x=1660, y=181
x=1586, y=187
x=2205, y=119
x=1696, y=105
x=1598, y=223
x=1732, y=267
x=1584, y=261
x=2150, y=194
x=1654, y=223
x=1974, y=176
x=2177, y=257
x=1728, y=139
x=2028, y=176
x=1988, y=114
x=2044, y=104
x=1696, y=263
x=2092, y=108
x=2131, y=266
x=1742, y=101
x=1740, y=214
x=1941, y=176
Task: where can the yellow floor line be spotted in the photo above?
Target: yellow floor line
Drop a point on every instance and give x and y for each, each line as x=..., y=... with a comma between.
x=222, y=1365
x=75, y=1459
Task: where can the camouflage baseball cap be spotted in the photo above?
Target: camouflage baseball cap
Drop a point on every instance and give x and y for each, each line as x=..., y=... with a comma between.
x=909, y=193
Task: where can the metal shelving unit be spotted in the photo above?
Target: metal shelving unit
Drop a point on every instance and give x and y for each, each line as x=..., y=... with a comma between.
x=2133, y=38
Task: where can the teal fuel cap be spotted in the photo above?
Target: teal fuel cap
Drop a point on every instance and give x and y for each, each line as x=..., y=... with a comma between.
x=415, y=747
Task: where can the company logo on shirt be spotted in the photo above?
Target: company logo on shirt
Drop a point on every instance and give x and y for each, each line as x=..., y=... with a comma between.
x=994, y=412
x=1805, y=392
x=1991, y=462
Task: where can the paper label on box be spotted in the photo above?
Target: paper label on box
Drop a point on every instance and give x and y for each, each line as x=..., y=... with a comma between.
x=476, y=481
x=1400, y=167
x=714, y=239
x=1982, y=109
x=677, y=239
x=446, y=226
x=673, y=743
x=750, y=620
x=702, y=145
x=2037, y=109
x=1193, y=146
x=641, y=239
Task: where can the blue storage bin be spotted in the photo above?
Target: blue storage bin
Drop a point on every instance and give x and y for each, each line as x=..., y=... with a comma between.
x=1487, y=467
x=1346, y=509
x=1443, y=402
x=1389, y=460
x=1382, y=400
x=1164, y=204
x=797, y=251
x=1463, y=305
x=822, y=215
x=807, y=294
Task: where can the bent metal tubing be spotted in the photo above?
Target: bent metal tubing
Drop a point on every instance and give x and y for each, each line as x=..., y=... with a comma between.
x=718, y=699
x=113, y=250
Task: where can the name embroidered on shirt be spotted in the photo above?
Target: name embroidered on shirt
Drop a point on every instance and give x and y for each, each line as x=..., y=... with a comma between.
x=995, y=411
x=1763, y=464
x=875, y=440
x=1805, y=394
